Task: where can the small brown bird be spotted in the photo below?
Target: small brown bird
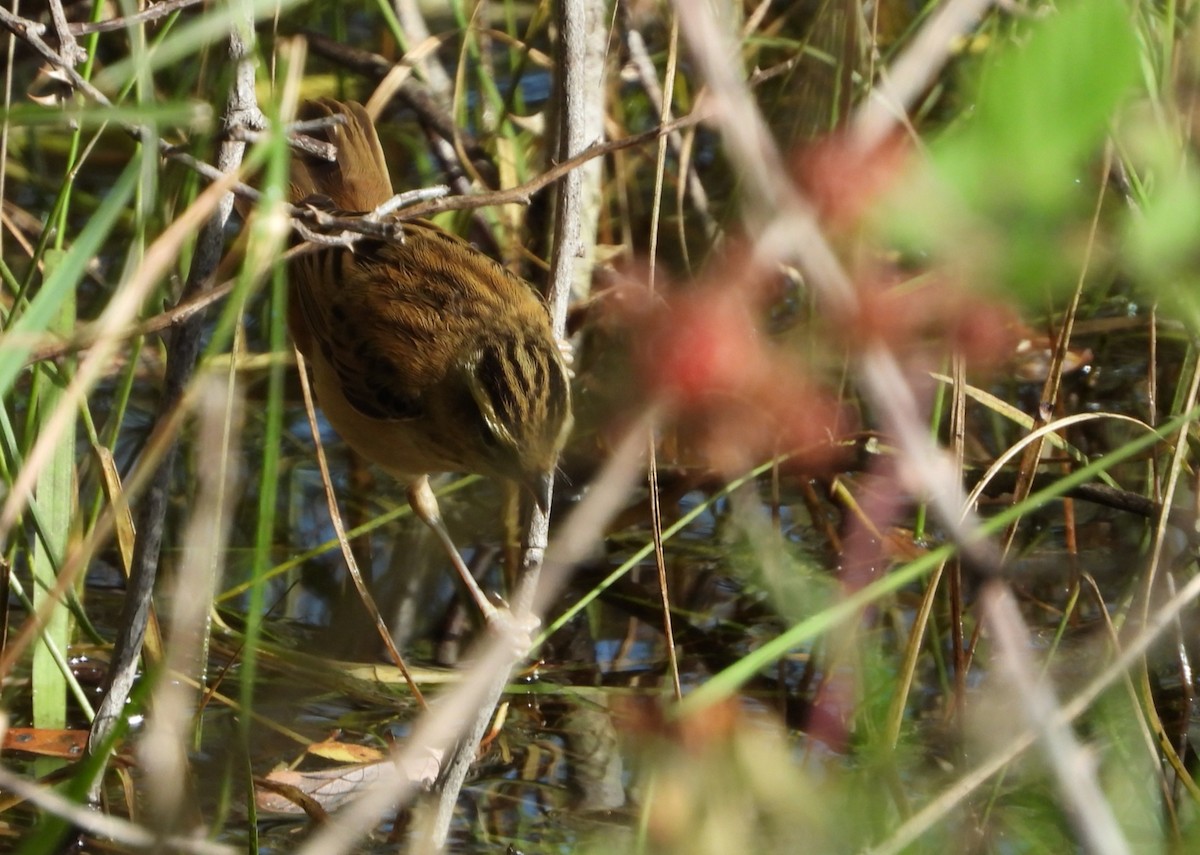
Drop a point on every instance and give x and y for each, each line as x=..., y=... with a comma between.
x=427, y=356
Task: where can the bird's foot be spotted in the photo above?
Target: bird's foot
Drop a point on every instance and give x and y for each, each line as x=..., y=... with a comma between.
x=516, y=630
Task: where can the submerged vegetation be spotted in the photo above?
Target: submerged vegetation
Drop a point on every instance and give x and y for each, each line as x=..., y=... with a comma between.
x=876, y=531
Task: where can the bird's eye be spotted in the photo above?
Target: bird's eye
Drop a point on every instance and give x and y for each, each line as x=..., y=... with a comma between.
x=487, y=434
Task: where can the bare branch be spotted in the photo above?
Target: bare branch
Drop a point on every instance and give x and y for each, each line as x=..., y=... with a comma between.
x=150, y=13
x=69, y=49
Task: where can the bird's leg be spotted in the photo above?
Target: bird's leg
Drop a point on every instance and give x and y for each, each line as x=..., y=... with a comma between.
x=517, y=630
x=425, y=506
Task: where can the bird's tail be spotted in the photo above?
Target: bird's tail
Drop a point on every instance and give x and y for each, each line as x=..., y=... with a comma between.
x=358, y=179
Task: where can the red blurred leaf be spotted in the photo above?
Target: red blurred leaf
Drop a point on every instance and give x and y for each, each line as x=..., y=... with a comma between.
x=843, y=181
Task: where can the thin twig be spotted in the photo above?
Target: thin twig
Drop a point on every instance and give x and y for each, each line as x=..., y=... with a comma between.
x=69, y=49
x=641, y=60
x=640, y=57
x=31, y=32
x=150, y=13
x=418, y=96
x=339, y=529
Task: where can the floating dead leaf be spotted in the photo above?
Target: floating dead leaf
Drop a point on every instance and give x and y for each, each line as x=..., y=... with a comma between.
x=900, y=544
x=45, y=742
x=277, y=797
x=286, y=791
x=346, y=752
x=1033, y=357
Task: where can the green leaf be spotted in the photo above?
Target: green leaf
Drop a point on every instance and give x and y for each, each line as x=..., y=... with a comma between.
x=55, y=494
x=1162, y=245
x=1042, y=107
x=1163, y=238
x=1012, y=185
